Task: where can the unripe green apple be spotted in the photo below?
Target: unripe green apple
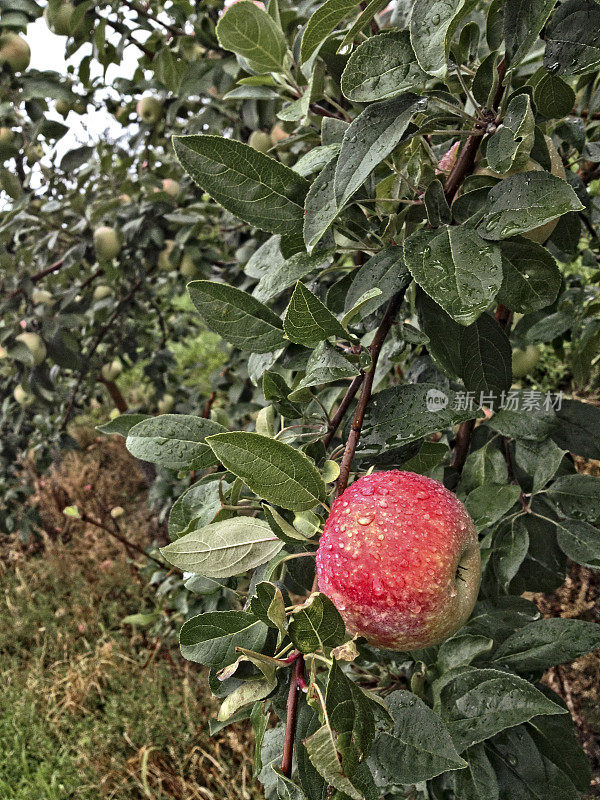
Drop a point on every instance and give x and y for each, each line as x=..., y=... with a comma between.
x=122, y=115
x=149, y=110
x=35, y=344
x=101, y=292
x=62, y=107
x=42, y=297
x=165, y=404
x=187, y=266
x=112, y=370
x=171, y=187
x=106, y=242
x=399, y=557
x=164, y=262
x=22, y=397
x=14, y=51
x=261, y=141
x=523, y=361
x=58, y=18
x=6, y=136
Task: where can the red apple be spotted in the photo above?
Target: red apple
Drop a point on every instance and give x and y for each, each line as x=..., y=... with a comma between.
x=399, y=557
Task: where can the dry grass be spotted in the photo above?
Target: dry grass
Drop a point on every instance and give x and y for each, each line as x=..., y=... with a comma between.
x=91, y=708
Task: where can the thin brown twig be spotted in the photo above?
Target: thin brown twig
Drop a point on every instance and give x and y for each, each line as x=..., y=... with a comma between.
x=342, y=408
x=124, y=541
x=39, y=275
x=292, y=715
x=367, y=386
x=146, y=14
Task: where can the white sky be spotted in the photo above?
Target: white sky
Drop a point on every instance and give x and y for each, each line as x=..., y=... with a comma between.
x=48, y=53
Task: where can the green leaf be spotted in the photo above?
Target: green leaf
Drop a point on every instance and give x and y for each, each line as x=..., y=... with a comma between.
x=522, y=25
x=523, y=773
x=370, y=138
x=286, y=788
x=122, y=424
x=211, y=638
x=325, y=759
x=432, y=26
x=349, y=711
x=553, y=97
x=580, y=541
x=577, y=496
x=324, y=20
x=572, y=41
x=387, y=271
x=511, y=145
x=478, y=781
x=540, y=460
x=176, y=441
x=317, y=625
x=456, y=268
x=249, y=692
x=249, y=31
x=436, y=205
x=535, y=424
x=402, y=414
x=486, y=357
x=316, y=159
x=274, y=471
x=251, y=185
x=526, y=201
x=325, y=365
x=418, y=748
x=276, y=390
x=488, y=503
x=531, y=276
x=321, y=206
x=237, y=316
x=198, y=505
x=382, y=67
x=428, y=457
x=461, y=650
x=280, y=277
x=510, y=549
x=577, y=428
x=308, y=321
x=546, y=643
x=555, y=739
x=474, y=705
x=268, y=605
x=225, y=548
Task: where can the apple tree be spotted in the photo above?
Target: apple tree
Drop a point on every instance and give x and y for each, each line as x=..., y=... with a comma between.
x=432, y=210
x=414, y=192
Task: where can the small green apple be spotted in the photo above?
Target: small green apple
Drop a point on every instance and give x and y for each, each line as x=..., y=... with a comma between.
x=259, y=140
x=149, y=110
x=101, y=292
x=58, y=17
x=35, y=344
x=165, y=404
x=524, y=361
x=22, y=397
x=42, y=297
x=62, y=107
x=106, y=242
x=112, y=370
x=14, y=51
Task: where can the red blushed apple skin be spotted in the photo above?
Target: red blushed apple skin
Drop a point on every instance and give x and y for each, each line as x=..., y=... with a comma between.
x=388, y=559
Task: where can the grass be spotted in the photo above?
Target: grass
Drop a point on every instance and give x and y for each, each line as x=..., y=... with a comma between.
x=91, y=708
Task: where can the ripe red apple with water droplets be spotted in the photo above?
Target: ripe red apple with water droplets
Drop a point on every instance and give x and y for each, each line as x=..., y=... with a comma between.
x=399, y=557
